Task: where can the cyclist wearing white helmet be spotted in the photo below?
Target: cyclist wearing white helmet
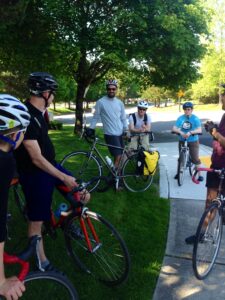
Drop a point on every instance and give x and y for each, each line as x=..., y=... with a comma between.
x=111, y=110
x=140, y=122
x=188, y=126
x=14, y=119
x=38, y=171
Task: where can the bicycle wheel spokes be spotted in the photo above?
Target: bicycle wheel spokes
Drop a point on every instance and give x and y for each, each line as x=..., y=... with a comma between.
x=133, y=181
x=207, y=243
x=83, y=167
x=48, y=285
x=109, y=259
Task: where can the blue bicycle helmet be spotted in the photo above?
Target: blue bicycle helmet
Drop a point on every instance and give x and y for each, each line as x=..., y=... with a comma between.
x=188, y=105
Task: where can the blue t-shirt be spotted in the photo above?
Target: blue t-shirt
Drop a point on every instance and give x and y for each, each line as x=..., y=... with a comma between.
x=187, y=124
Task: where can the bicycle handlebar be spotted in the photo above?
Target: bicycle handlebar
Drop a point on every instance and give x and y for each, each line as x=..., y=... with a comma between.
x=173, y=132
x=140, y=133
x=82, y=186
x=13, y=259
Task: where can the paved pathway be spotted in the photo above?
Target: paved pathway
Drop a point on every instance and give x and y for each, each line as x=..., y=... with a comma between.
x=176, y=280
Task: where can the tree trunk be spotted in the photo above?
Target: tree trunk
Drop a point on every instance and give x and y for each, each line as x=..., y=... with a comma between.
x=81, y=94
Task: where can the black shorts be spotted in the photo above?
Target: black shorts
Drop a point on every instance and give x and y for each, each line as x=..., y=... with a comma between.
x=115, y=141
x=212, y=181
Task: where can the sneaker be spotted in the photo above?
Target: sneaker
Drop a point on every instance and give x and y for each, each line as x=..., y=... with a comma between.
x=191, y=239
x=176, y=176
x=200, y=178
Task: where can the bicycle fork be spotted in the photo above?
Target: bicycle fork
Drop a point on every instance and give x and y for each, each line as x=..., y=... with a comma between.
x=84, y=222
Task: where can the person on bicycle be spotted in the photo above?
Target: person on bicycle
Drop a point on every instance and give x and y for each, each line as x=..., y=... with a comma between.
x=188, y=126
x=38, y=171
x=14, y=119
x=140, y=122
x=111, y=110
x=217, y=158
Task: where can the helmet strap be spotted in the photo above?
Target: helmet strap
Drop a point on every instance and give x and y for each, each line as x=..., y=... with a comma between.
x=46, y=99
x=8, y=140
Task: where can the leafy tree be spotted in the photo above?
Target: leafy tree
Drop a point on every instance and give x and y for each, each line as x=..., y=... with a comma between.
x=159, y=39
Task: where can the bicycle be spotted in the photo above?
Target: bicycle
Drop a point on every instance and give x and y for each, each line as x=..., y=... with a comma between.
x=41, y=285
x=87, y=164
x=209, y=230
x=91, y=241
x=184, y=161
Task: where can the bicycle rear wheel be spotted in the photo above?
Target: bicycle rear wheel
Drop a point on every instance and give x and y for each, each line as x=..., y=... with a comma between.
x=109, y=260
x=181, y=168
x=207, y=244
x=48, y=285
x=83, y=166
x=132, y=181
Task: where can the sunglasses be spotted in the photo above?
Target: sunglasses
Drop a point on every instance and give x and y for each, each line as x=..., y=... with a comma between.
x=142, y=109
x=111, y=89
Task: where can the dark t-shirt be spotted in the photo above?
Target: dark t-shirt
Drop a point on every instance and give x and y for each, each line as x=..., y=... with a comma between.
x=218, y=155
x=7, y=169
x=37, y=130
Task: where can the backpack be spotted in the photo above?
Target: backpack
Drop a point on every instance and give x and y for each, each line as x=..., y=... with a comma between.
x=135, y=119
x=147, y=162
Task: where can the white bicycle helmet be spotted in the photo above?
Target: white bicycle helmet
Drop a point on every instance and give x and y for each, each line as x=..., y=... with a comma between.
x=143, y=104
x=14, y=115
x=111, y=82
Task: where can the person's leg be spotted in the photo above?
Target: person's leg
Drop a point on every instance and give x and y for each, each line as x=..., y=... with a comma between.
x=145, y=142
x=116, y=141
x=38, y=189
x=212, y=183
x=194, y=153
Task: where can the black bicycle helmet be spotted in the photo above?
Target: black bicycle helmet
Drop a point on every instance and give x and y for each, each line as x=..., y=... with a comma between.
x=188, y=105
x=40, y=82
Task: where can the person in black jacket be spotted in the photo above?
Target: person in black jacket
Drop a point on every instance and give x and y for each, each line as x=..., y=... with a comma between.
x=38, y=171
x=14, y=119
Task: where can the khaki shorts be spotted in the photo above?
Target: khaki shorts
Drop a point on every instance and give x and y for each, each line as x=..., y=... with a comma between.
x=144, y=142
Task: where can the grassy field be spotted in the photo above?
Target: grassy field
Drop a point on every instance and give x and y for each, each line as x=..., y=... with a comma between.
x=141, y=219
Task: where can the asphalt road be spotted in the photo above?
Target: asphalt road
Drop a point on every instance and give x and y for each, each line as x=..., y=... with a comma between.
x=162, y=123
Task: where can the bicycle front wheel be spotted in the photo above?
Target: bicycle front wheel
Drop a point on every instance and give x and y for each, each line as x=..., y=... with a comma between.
x=207, y=243
x=132, y=181
x=83, y=166
x=181, y=168
x=48, y=285
x=108, y=260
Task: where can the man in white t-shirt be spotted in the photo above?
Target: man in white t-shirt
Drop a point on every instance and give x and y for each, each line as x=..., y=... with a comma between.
x=140, y=122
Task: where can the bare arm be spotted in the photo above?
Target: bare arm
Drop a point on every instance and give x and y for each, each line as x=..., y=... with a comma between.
x=38, y=160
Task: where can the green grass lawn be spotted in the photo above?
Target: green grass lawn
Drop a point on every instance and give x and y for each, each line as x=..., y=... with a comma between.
x=142, y=220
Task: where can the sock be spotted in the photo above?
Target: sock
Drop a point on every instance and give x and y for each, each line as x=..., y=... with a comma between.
x=45, y=263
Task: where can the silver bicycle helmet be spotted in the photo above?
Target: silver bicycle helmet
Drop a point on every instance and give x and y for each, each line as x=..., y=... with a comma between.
x=111, y=82
x=143, y=104
x=14, y=114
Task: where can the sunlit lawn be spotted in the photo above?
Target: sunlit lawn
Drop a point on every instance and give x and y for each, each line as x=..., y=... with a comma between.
x=175, y=108
x=142, y=220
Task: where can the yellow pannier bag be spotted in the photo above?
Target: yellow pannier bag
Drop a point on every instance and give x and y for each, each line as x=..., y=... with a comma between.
x=151, y=161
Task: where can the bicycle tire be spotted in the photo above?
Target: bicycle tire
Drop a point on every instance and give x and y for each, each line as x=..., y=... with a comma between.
x=133, y=181
x=181, y=168
x=110, y=261
x=43, y=285
x=207, y=243
x=20, y=200
x=83, y=166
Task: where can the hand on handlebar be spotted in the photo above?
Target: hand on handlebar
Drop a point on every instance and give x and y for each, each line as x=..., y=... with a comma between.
x=211, y=127
x=70, y=181
x=89, y=132
x=12, y=288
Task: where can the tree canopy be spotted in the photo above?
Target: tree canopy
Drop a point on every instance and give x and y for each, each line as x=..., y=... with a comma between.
x=159, y=40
